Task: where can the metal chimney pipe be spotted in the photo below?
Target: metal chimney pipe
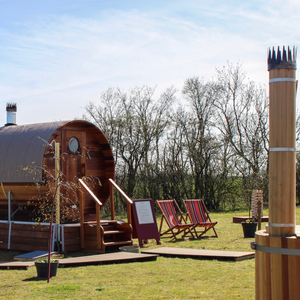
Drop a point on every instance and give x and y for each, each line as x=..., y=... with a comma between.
x=11, y=114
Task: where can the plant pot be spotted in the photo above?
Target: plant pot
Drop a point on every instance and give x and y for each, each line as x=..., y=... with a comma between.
x=42, y=269
x=249, y=229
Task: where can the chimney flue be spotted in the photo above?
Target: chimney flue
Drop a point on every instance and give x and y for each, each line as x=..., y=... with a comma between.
x=11, y=113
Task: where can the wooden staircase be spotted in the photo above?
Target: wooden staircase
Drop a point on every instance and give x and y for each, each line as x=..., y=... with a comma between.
x=100, y=236
x=113, y=234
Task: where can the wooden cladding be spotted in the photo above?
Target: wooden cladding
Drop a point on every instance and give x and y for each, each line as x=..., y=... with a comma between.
x=35, y=237
x=24, y=237
x=277, y=273
x=282, y=155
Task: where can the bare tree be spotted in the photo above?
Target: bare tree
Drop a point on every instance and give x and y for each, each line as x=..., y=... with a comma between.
x=215, y=146
x=175, y=180
x=242, y=118
x=134, y=123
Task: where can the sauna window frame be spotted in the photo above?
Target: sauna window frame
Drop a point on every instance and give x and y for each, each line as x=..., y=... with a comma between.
x=71, y=149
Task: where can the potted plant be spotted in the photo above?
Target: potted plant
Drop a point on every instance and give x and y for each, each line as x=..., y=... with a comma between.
x=42, y=267
x=249, y=228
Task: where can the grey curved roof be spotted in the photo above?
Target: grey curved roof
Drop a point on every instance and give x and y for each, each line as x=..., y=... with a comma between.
x=22, y=149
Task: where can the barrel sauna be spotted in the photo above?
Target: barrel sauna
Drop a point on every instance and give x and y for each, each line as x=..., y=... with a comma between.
x=27, y=167
x=277, y=258
x=27, y=184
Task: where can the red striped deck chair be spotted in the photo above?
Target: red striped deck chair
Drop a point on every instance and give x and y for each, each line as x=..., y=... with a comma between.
x=177, y=225
x=199, y=216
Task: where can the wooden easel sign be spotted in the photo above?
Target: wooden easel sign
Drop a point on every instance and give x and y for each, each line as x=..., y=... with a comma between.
x=144, y=221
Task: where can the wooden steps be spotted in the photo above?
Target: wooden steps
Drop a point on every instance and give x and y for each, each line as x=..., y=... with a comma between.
x=114, y=234
x=120, y=243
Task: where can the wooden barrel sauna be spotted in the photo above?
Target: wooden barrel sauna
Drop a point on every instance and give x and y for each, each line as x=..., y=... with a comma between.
x=277, y=267
x=277, y=258
x=27, y=165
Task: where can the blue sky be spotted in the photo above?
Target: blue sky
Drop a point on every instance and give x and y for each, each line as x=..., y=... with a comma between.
x=56, y=56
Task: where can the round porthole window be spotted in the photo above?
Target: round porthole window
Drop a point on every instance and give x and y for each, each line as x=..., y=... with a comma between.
x=73, y=144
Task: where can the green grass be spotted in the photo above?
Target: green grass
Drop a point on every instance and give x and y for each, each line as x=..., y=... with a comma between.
x=166, y=278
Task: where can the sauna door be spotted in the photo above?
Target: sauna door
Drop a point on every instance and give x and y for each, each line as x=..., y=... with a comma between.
x=73, y=158
x=73, y=154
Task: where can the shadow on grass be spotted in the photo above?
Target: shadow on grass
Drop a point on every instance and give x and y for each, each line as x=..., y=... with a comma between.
x=35, y=279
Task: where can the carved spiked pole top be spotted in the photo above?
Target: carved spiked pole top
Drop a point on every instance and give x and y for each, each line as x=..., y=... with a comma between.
x=282, y=60
x=282, y=151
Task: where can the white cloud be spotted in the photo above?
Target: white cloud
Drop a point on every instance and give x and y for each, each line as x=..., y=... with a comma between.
x=53, y=65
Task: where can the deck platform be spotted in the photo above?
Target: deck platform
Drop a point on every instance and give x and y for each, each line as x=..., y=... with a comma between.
x=201, y=254
x=127, y=257
x=16, y=265
x=108, y=258
x=98, y=259
x=35, y=255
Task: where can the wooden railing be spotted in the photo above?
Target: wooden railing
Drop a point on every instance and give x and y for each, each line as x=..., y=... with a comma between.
x=112, y=205
x=82, y=205
x=98, y=205
x=90, y=192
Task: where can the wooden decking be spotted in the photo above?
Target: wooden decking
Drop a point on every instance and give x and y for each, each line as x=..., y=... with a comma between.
x=201, y=254
x=15, y=265
x=127, y=257
x=116, y=257
x=98, y=259
x=35, y=255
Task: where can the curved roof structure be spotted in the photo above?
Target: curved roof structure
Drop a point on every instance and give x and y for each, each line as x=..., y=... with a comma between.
x=21, y=151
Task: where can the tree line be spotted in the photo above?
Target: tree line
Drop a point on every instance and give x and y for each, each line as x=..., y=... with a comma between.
x=212, y=143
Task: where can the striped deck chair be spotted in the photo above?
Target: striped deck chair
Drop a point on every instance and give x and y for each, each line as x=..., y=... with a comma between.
x=170, y=211
x=199, y=216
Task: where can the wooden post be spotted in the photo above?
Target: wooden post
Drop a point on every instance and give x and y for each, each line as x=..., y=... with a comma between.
x=256, y=198
x=57, y=189
x=99, y=244
x=259, y=211
x=81, y=207
x=112, y=201
x=57, y=183
x=277, y=257
x=282, y=152
x=129, y=216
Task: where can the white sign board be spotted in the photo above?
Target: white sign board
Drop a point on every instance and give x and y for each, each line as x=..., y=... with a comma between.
x=144, y=212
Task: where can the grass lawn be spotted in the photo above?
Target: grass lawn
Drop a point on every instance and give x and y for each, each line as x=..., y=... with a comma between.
x=166, y=278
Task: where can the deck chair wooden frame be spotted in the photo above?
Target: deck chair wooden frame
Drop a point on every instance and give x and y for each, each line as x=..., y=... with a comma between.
x=198, y=215
x=177, y=225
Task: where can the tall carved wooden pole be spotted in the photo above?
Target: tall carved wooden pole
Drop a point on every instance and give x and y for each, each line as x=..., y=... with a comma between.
x=282, y=155
x=277, y=259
